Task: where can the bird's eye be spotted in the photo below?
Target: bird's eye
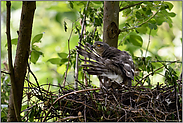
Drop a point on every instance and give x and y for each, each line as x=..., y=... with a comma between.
x=98, y=45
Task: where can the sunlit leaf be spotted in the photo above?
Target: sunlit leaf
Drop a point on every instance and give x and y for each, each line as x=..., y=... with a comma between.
x=13, y=42
x=62, y=55
x=142, y=29
x=24, y=107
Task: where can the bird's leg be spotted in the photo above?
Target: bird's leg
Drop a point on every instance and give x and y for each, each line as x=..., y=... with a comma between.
x=102, y=84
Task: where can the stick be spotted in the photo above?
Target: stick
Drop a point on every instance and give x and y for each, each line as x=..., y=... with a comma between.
x=74, y=92
x=77, y=55
x=68, y=58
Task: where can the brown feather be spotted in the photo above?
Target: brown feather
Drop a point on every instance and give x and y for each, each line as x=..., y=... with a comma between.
x=112, y=65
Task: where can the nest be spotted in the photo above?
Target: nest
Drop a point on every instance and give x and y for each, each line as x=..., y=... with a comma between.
x=89, y=104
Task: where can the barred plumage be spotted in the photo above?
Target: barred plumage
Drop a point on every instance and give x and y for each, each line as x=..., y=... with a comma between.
x=112, y=66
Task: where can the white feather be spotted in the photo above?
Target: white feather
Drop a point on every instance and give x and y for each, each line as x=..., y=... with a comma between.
x=113, y=77
x=127, y=65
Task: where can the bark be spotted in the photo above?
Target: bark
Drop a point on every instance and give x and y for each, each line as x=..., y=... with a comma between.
x=21, y=58
x=12, y=112
x=111, y=23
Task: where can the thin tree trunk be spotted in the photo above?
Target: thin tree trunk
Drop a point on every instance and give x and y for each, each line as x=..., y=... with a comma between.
x=111, y=23
x=11, y=111
x=21, y=59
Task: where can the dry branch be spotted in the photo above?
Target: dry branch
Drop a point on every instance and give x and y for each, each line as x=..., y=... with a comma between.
x=136, y=104
x=77, y=55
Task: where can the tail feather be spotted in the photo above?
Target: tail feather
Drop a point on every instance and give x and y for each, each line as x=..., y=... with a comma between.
x=88, y=54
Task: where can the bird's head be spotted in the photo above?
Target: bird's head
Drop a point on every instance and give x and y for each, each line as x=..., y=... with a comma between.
x=100, y=47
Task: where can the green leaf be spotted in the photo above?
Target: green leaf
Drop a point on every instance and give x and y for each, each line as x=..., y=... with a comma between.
x=31, y=115
x=13, y=41
x=71, y=4
x=142, y=29
x=148, y=11
x=65, y=26
x=38, y=112
x=136, y=40
x=62, y=55
x=170, y=6
x=97, y=2
x=35, y=47
x=157, y=65
x=148, y=80
x=24, y=107
x=35, y=55
x=126, y=12
x=138, y=15
x=172, y=14
x=2, y=114
x=149, y=67
x=37, y=38
x=54, y=60
x=63, y=61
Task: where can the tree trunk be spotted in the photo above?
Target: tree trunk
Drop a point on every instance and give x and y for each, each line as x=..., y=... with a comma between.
x=21, y=59
x=111, y=23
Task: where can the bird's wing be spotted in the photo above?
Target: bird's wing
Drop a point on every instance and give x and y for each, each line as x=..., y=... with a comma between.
x=121, y=59
x=126, y=63
x=100, y=66
x=88, y=53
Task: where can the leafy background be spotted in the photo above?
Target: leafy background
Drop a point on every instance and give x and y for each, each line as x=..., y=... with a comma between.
x=54, y=21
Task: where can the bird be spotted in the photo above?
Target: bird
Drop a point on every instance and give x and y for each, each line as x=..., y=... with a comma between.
x=113, y=67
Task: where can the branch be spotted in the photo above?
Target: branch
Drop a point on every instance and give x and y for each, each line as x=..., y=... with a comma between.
x=126, y=7
x=5, y=72
x=34, y=78
x=11, y=69
x=141, y=23
x=176, y=101
x=149, y=75
x=77, y=55
x=69, y=117
x=148, y=43
x=74, y=92
x=68, y=58
x=177, y=61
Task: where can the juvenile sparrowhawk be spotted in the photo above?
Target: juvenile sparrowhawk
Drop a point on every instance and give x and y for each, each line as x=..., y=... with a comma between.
x=112, y=66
